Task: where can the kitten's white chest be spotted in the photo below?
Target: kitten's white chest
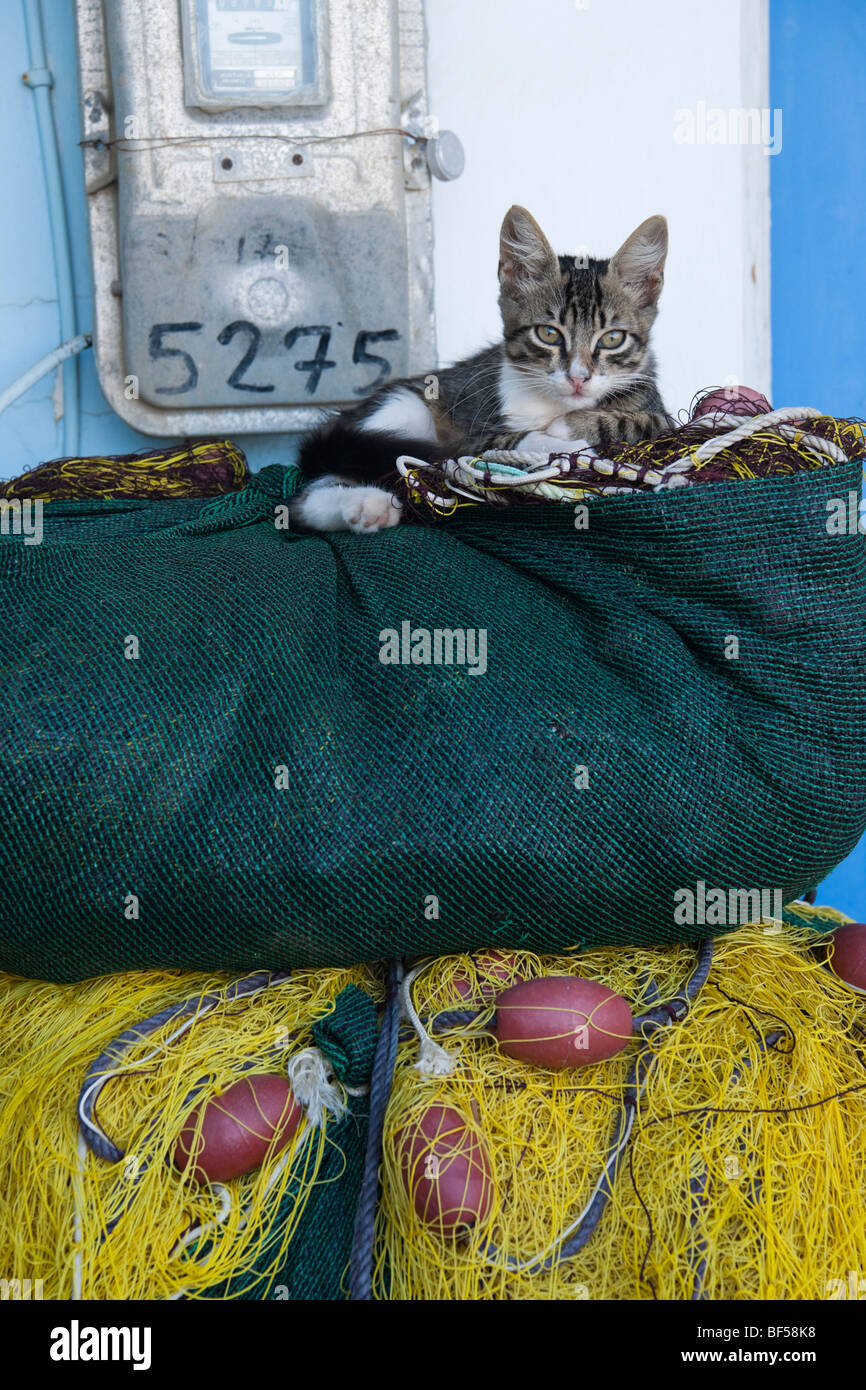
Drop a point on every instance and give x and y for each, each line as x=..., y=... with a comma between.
x=523, y=408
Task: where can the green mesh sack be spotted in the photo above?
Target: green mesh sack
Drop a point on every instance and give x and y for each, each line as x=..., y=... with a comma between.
x=214, y=756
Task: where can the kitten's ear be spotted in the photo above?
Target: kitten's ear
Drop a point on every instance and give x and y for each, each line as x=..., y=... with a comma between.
x=525, y=254
x=640, y=261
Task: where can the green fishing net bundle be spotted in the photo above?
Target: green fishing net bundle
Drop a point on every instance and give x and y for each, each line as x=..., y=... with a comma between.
x=228, y=745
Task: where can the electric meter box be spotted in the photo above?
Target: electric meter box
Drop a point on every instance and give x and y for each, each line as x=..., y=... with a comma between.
x=243, y=53
x=259, y=220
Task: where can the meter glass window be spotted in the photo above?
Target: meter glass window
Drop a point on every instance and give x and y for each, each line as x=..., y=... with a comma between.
x=252, y=52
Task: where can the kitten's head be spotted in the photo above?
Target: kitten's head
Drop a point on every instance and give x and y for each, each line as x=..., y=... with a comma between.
x=578, y=329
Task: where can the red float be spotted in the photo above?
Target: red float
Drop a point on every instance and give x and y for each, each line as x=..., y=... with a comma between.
x=732, y=400
x=562, y=1021
x=445, y=1169
x=239, y=1127
x=848, y=955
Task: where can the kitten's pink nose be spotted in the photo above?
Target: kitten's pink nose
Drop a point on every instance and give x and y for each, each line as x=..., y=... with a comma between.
x=578, y=375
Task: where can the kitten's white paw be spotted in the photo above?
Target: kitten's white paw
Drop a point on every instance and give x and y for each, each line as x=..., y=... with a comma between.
x=578, y=446
x=538, y=443
x=369, y=509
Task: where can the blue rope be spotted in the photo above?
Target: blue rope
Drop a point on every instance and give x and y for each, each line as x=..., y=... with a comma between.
x=95, y=1137
x=455, y=1018
x=364, y=1234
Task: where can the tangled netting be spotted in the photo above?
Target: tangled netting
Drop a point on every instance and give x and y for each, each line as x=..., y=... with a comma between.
x=742, y=1174
x=228, y=745
x=202, y=469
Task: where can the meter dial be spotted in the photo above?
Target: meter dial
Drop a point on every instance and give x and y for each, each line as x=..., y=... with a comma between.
x=252, y=52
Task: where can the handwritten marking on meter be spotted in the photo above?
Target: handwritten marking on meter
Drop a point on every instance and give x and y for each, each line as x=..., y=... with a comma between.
x=164, y=345
x=267, y=301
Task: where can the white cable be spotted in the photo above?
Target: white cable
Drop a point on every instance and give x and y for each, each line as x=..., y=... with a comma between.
x=41, y=368
x=78, y=1210
x=225, y=1196
x=433, y=1060
x=99, y=1081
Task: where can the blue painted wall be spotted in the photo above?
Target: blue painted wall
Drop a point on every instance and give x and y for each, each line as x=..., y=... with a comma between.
x=28, y=295
x=818, y=187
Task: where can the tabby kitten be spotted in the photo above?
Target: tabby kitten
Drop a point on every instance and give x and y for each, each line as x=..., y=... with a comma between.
x=574, y=368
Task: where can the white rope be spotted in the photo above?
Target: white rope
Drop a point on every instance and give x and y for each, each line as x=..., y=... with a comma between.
x=483, y=475
x=478, y=476
x=673, y=475
x=816, y=443
x=89, y=1095
x=745, y=429
x=753, y=424
x=467, y=469
x=312, y=1080
x=78, y=1212
x=480, y=482
x=406, y=465
x=203, y=1227
x=433, y=1060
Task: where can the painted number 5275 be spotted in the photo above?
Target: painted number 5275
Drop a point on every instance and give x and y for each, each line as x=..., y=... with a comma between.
x=163, y=339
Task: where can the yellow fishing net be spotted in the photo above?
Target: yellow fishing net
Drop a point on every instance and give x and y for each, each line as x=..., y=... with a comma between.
x=773, y=1139
x=56, y=1200
x=744, y=1177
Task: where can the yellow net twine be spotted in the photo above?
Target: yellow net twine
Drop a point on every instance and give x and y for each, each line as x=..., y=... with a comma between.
x=744, y=1177
x=773, y=1138
x=51, y=1190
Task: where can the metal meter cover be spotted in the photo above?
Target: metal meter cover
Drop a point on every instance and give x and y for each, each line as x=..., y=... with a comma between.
x=254, y=52
x=260, y=224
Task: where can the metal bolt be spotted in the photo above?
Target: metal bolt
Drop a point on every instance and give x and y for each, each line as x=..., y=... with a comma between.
x=227, y=163
x=297, y=159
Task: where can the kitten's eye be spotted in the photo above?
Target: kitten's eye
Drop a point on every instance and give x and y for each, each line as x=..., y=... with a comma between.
x=614, y=339
x=549, y=336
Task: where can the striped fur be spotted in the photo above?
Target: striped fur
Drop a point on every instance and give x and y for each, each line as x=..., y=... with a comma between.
x=574, y=366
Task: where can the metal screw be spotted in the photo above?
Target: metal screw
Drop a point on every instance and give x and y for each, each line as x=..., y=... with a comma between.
x=297, y=159
x=227, y=163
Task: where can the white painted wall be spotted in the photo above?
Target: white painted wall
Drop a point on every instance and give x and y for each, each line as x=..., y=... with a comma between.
x=570, y=111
